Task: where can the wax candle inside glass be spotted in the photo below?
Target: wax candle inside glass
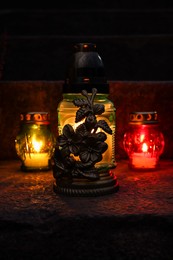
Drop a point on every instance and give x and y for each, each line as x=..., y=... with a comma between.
x=35, y=157
x=143, y=142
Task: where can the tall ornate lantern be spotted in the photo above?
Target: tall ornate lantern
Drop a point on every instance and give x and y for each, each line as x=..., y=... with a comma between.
x=90, y=115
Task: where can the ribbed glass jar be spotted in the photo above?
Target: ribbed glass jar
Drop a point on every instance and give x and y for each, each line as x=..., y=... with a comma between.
x=66, y=115
x=35, y=142
x=143, y=141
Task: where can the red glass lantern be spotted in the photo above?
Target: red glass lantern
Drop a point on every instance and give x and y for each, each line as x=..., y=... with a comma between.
x=143, y=141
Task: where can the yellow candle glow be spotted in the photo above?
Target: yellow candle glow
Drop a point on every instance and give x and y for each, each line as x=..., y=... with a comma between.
x=37, y=160
x=35, y=143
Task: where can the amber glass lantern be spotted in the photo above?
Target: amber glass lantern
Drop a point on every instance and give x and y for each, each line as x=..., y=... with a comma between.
x=143, y=142
x=35, y=142
x=86, y=71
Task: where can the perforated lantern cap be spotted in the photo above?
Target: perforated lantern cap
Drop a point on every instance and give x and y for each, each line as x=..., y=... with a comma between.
x=85, y=70
x=143, y=118
x=41, y=118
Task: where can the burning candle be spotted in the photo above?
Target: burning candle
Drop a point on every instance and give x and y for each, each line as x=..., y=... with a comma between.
x=35, y=143
x=144, y=159
x=36, y=158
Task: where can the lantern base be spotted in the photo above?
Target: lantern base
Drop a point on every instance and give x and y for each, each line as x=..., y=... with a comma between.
x=106, y=184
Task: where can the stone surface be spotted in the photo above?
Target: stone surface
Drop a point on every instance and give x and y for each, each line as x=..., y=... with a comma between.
x=134, y=223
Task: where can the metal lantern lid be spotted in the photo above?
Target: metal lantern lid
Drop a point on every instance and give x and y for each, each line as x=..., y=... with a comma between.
x=41, y=118
x=85, y=70
x=143, y=118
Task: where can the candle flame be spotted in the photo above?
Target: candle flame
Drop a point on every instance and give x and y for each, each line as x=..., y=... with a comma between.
x=86, y=79
x=37, y=145
x=144, y=147
x=142, y=138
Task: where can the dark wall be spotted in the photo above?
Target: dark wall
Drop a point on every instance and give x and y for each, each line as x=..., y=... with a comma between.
x=19, y=96
x=135, y=40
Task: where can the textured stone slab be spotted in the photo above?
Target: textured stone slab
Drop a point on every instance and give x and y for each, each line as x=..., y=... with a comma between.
x=134, y=223
x=29, y=196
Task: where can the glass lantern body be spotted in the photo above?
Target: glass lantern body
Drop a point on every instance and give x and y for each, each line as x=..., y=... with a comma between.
x=144, y=143
x=85, y=72
x=66, y=115
x=35, y=142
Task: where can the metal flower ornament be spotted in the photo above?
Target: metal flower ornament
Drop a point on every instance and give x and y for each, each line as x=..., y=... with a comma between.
x=78, y=150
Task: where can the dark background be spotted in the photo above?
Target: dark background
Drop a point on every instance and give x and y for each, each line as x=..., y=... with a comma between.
x=134, y=39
